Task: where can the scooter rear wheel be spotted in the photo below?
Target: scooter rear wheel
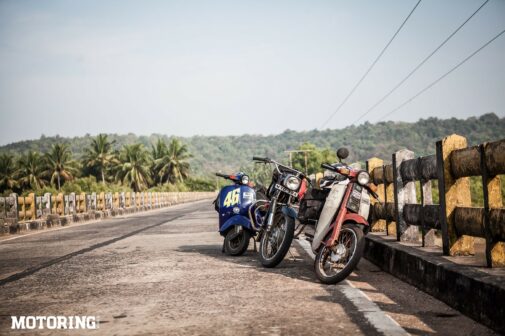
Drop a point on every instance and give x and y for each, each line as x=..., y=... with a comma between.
x=236, y=244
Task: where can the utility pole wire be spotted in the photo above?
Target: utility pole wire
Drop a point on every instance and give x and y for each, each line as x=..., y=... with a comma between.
x=419, y=65
x=371, y=67
x=441, y=77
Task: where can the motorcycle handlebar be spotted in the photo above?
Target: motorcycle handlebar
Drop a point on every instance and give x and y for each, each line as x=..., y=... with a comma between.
x=373, y=193
x=277, y=164
x=223, y=175
x=258, y=158
x=327, y=166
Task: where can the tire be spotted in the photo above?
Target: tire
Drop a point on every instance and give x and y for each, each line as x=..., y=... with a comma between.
x=355, y=249
x=234, y=244
x=285, y=238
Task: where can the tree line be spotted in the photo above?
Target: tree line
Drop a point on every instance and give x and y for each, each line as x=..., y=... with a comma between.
x=226, y=153
x=163, y=167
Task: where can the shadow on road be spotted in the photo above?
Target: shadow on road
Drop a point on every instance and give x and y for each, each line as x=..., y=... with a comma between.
x=293, y=266
x=296, y=266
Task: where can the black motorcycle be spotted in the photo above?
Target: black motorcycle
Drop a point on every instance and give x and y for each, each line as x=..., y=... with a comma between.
x=286, y=188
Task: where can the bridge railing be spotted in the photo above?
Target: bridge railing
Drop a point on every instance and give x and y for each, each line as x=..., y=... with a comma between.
x=383, y=213
x=16, y=208
x=8, y=207
x=454, y=217
x=459, y=219
x=424, y=214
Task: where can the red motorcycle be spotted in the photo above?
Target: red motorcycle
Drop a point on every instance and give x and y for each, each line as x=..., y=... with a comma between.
x=339, y=214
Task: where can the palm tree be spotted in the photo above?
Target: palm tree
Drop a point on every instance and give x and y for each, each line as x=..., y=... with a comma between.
x=60, y=164
x=31, y=171
x=158, y=151
x=173, y=164
x=7, y=172
x=133, y=169
x=99, y=155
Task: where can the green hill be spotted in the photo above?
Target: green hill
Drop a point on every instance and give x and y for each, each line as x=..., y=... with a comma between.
x=222, y=153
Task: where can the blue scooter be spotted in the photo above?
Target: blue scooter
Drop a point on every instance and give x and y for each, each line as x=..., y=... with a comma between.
x=234, y=204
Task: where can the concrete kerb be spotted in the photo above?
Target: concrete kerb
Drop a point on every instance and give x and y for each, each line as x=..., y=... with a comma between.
x=477, y=292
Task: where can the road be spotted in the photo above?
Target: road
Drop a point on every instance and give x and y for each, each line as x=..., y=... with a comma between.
x=163, y=273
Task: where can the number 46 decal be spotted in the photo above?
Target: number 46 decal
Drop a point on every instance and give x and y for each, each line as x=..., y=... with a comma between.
x=232, y=198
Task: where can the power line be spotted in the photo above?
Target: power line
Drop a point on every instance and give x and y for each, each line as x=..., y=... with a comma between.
x=441, y=77
x=371, y=66
x=419, y=65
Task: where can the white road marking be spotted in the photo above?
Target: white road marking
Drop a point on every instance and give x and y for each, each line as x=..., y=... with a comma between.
x=377, y=318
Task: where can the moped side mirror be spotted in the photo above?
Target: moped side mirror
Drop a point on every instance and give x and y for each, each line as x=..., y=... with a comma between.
x=342, y=153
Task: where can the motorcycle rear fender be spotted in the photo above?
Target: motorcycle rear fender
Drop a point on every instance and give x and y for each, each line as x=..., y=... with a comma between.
x=290, y=212
x=235, y=220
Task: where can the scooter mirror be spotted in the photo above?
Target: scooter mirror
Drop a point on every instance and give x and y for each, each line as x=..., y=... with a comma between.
x=342, y=153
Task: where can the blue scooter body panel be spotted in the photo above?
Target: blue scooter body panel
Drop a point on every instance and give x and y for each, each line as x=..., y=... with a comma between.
x=235, y=220
x=234, y=202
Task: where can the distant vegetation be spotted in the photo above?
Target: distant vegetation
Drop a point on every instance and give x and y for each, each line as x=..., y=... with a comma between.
x=141, y=162
x=132, y=167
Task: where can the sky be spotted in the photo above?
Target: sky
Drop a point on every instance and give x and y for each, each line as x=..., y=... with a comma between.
x=221, y=67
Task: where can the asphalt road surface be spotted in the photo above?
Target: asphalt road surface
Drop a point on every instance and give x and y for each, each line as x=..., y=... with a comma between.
x=163, y=273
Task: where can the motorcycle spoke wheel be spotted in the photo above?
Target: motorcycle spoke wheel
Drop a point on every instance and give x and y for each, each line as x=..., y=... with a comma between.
x=274, y=239
x=336, y=258
x=275, y=243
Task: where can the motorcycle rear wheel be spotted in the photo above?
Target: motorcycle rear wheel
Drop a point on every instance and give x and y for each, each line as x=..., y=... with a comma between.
x=334, y=264
x=274, y=245
x=236, y=244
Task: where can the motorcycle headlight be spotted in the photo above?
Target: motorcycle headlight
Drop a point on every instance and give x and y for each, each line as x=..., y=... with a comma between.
x=363, y=178
x=244, y=180
x=292, y=183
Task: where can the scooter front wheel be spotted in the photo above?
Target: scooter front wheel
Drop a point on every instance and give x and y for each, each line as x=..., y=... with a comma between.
x=274, y=245
x=236, y=244
x=334, y=264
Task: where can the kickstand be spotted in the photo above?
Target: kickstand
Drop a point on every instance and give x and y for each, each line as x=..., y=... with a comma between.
x=222, y=250
x=291, y=254
x=254, y=243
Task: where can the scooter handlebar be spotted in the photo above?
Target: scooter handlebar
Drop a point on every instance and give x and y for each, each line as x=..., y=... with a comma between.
x=373, y=193
x=223, y=175
x=329, y=167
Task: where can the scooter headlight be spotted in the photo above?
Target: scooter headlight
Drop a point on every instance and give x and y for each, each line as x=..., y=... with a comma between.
x=363, y=178
x=244, y=180
x=292, y=183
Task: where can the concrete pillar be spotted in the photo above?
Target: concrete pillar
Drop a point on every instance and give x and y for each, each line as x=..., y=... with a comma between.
x=13, y=206
x=405, y=193
x=71, y=204
x=494, y=154
x=47, y=204
x=83, y=204
x=452, y=192
x=378, y=225
x=93, y=202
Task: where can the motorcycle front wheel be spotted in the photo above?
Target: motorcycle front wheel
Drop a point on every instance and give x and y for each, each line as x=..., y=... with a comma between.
x=274, y=244
x=236, y=244
x=334, y=264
